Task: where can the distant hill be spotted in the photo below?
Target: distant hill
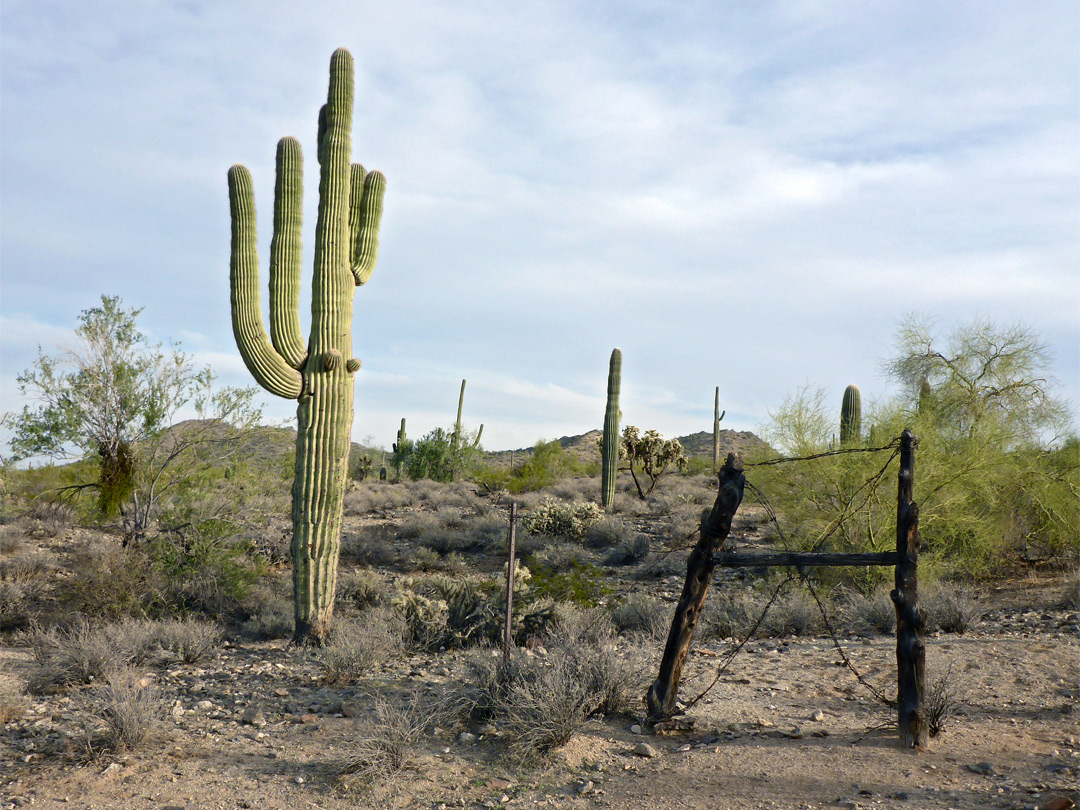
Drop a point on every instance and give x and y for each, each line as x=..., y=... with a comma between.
x=270, y=445
x=697, y=445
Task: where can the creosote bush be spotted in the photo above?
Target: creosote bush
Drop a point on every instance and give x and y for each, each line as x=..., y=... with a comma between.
x=358, y=646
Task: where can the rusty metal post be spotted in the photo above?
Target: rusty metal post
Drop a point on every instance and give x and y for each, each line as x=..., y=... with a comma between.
x=910, y=649
x=508, y=631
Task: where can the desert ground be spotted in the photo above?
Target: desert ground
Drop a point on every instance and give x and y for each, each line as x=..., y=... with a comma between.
x=256, y=723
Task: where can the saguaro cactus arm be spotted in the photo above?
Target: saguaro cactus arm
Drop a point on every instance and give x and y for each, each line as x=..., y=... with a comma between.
x=285, y=254
x=272, y=371
x=365, y=213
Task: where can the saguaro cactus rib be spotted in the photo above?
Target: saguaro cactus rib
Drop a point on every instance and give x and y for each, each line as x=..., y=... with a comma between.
x=347, y=223
x=268, y=367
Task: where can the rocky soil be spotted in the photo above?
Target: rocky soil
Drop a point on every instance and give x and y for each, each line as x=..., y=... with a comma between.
x=256, y=726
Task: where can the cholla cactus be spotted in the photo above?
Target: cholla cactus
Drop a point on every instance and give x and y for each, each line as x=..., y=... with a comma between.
x=314, y=371
x=650, y=453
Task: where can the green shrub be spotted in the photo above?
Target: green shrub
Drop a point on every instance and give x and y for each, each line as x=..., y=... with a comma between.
x=569, y=521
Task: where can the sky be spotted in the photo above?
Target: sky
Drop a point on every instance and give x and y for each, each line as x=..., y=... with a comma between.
x=749, y=195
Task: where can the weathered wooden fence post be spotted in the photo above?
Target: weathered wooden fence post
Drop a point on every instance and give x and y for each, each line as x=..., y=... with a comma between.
x=910, y=650
x=660, y=700
x=508, y=631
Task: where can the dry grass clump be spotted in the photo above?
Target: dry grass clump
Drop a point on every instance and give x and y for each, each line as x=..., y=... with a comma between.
x=386, y=740
x=794, y=613
x=640, y=613
x=128, y=705
x=541, y=700
x=270, y=613
x=358, y=646
x=950, y=609
x=188, y=640
x=631, y=552
x=80, y=653
x=16, y=602
x=874, y=612
x=730, y=612
x=362, y=588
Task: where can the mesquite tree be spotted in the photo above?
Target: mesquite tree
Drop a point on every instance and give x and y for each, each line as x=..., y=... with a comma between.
x=317, y=372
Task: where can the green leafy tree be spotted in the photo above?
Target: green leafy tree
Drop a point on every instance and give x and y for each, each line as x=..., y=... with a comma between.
x=649, y=455
x=997, y=472
x=439, y=457
x=115, y=395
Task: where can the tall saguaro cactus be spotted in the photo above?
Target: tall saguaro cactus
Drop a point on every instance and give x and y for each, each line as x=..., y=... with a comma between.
x=610, y=449
x=315, y=372
x=851, y=416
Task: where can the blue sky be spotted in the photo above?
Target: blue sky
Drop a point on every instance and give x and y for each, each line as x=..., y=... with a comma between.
x=738, y=194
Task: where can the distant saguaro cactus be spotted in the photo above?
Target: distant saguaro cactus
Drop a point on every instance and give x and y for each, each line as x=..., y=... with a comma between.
x=610, y=448
x=851, y=416
x=718, y=415
x=315, y=371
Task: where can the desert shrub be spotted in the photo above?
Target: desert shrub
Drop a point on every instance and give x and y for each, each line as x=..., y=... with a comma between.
x=582, y=583
x=560, y=556
x=269, y=613
x=206, y=570
x=368, y=547
x=633, y=551
x=129, y=705
x=357, y=647
x=949, y=608
x=566, y=520
x=874, y=612
x=112, y=583
x=542, y=701
x=794, y=613
x=361, y=589
x=608, y=532
x=730, y=613
x=16, y=602
x=941, y=700
x=80, y=653
x=638, y=613
x=385, y=740
x=188, y=639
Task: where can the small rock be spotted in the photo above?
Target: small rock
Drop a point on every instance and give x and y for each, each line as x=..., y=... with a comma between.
x=177, y=711
x=635, y=729
x=645, y=750
x=818, y=716
x=585, y=787
x=466, y=738
x=112, y=770
x=983, y=768
x=205, y=705
x=299, y=780
x=1058, y=803
x=253, y=716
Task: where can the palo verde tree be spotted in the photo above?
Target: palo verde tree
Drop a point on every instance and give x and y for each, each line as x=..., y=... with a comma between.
x=115, y=396
x=317, y=372
x=998, y=467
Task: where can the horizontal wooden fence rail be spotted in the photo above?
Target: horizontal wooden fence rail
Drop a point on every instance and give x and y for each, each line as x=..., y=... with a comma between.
x=733, y=559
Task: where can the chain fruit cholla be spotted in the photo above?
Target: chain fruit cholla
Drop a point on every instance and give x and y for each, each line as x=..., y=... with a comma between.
x=315, y=372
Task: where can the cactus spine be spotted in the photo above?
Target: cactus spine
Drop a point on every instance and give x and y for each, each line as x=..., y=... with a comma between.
x=314, y=371
x=716, y=419
x=851, y=416
x=610, y=448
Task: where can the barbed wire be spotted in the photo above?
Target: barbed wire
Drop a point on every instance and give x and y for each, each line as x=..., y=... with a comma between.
x=894, y=443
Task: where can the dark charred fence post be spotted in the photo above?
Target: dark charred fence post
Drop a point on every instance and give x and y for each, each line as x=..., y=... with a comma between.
x=910, y=650
x=508, y=631
x=660, y=700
